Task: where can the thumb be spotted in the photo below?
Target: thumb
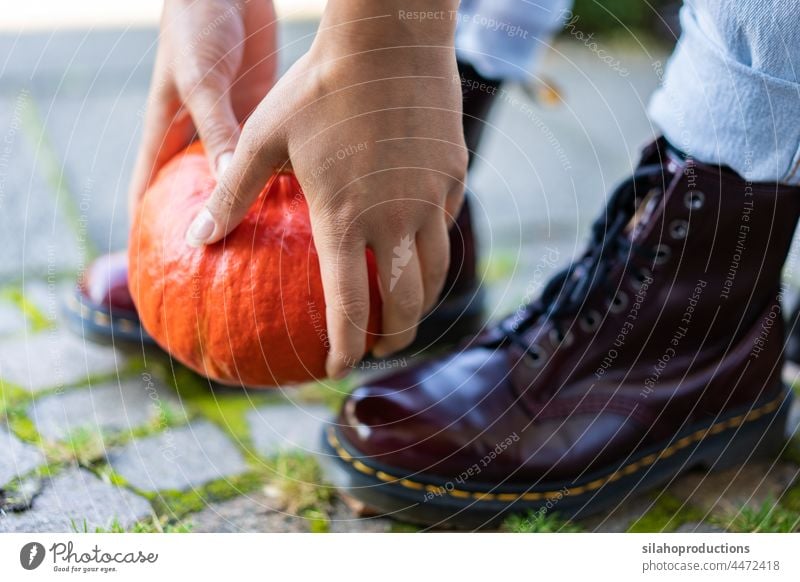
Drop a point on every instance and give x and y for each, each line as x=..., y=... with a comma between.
x=257, y=155
x=213, y=116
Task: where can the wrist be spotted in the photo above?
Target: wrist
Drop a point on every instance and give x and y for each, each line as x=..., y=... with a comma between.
x=350, y=26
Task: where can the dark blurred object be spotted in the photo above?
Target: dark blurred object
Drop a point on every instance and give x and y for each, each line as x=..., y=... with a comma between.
x=657, y=18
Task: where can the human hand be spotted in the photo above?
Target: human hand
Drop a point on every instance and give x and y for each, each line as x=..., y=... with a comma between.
x=216, y=60
x=370, y=121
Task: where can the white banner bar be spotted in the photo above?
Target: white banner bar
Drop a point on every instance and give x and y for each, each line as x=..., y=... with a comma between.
x=400, y=557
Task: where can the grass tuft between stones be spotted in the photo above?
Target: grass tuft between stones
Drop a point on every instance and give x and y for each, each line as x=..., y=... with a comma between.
x=538, y=522
x=769, y=517
x=667, y=514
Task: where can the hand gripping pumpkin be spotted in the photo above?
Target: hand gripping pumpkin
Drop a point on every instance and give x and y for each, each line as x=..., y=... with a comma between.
x=248, y=310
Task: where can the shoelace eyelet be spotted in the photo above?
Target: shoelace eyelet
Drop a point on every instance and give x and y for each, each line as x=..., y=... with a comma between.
x=663, y=253
x=534, y=357
x=589, y=321
x=619, y=303
x=694, y=200
x=559, y=339
x=641, y=277
x=678, y=229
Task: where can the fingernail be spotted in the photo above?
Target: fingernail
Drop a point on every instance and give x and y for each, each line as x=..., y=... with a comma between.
x=201, y=229
x=223, y=161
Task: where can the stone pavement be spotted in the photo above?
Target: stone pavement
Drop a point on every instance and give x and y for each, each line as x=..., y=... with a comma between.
x=99, y=437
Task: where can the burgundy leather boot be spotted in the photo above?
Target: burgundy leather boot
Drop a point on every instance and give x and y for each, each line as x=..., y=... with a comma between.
x=102, y=309
x=657, y=351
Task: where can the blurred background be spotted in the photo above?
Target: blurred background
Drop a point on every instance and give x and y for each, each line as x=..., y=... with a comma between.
x=75, y=75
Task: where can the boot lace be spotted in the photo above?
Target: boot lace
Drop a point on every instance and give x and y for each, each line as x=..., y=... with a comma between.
x=565, y=294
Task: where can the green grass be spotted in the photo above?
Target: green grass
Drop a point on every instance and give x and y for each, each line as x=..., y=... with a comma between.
x=769, y=517
x=612, y=17
x=667, y=514
x=82, y=446
x=153, y=525
x=535, y=522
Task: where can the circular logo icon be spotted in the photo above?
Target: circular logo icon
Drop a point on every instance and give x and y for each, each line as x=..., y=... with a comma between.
x=31, y=555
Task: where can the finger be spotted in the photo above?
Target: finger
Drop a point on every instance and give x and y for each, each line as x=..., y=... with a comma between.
x=166, y=131
x=345, y=282
x=216, y=123
x=401, y=291
x=433, y=246
x=253, y=162
x=453, y=203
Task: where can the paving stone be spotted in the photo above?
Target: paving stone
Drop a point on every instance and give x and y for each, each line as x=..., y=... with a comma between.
x=96, y=133
x=723, y=491
x=287, y=427
x=11, y=320
x=111, y=407
x=54, y=358
x=259, y=513
x=16, y=457
x=35, y=235
x=77, y=496
x=179, y=458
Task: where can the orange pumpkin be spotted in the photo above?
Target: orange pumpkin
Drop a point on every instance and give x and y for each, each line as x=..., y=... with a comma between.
x=248, y=310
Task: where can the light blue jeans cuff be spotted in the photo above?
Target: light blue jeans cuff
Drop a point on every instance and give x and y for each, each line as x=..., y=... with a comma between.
x=720, y=100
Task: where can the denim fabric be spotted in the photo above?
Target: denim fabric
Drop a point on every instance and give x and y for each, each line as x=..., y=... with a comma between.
x=730, y=94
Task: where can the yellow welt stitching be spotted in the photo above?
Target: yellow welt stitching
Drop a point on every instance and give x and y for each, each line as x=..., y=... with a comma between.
x=363, y=468
x=101, y=318
x=386, y=477
x=596, y=484
x=459, y=493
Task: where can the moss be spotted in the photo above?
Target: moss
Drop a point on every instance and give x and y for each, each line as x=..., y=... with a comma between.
x=318, y=521
x=769, y=517
x=226, y=408
x=37, y=320
x=177, y=504
x=21, y=425
x=300, y=484
x=12, y=397
x=667, y=514
x=535, y=522
x=403, y=527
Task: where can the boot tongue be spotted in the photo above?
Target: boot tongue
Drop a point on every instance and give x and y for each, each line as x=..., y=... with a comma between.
x=644, y=213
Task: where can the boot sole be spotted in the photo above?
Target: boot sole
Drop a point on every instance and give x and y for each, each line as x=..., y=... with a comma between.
x=97, y=324
x=739, y=437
